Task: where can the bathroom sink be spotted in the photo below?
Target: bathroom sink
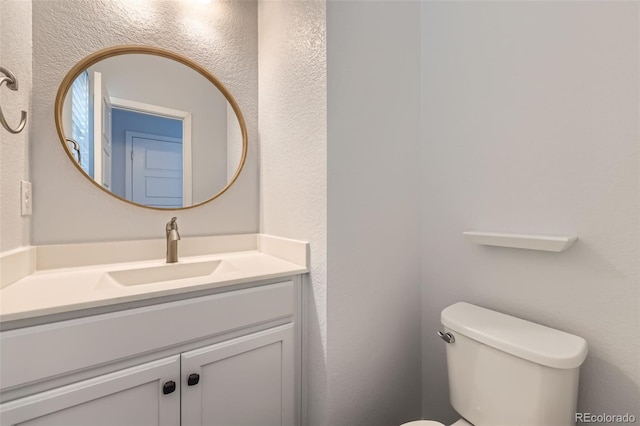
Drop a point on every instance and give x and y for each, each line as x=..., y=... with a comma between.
x=168, y=272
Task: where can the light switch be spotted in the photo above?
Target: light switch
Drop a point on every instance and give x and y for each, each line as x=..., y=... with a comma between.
x=26, y=196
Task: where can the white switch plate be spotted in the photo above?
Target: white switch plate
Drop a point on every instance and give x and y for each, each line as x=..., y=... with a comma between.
x=26, y=198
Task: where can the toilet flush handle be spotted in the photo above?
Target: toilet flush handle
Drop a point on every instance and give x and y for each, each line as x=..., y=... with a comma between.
x=447, y=337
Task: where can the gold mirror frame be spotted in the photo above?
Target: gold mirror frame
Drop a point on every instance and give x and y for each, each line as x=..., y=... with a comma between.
x=95, y=57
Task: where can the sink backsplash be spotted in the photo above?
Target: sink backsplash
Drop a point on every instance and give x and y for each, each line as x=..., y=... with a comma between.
x=19, y=263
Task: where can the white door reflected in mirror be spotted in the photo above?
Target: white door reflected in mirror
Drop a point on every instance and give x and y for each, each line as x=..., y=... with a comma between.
x=155, y=173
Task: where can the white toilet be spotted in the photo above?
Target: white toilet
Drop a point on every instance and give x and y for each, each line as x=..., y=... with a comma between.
x=505, y=371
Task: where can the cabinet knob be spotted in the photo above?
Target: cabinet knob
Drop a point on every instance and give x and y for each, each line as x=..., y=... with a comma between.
x=168, y=387
x=193, y=379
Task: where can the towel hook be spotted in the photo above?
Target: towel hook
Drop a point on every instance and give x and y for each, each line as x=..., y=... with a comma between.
x=76, y=147
x=12, y=84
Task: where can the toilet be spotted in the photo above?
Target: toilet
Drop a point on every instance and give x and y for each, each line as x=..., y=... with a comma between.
x=505, y=371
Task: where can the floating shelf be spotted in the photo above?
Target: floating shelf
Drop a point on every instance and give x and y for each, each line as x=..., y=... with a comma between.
x=555, y=243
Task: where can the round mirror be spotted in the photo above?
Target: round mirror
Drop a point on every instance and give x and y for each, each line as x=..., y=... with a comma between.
x=151, y=127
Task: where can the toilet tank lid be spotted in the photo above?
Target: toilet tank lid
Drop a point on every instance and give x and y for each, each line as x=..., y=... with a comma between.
x=524, y=339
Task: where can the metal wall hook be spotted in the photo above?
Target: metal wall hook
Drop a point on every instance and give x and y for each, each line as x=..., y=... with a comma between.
x=12, y=83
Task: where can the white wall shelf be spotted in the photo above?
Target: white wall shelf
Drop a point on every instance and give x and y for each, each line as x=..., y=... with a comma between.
x=556, y=243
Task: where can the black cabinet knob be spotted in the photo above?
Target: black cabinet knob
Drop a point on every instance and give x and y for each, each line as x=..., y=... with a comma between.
x=193, y=379
x=168, y=387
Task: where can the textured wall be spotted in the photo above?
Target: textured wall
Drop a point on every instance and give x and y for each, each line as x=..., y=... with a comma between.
x=15, y=55
x=221, y=36
x=373, y=94
x=531, y=125
x=293, y=150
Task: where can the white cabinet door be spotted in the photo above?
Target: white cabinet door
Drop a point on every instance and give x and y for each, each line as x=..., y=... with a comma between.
x=130, y=397
x=248, y=381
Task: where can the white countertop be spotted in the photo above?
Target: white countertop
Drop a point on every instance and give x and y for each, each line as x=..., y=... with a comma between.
x=70, y=288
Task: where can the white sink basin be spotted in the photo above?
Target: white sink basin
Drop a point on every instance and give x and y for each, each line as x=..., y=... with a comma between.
x=168, y=272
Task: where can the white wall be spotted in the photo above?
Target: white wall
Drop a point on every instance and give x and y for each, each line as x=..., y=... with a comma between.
x=373, y=94
x=363, y=223
x=163, y=82
x=530, y=118
x=293, y=152
x=221, y=36
x=15, y=55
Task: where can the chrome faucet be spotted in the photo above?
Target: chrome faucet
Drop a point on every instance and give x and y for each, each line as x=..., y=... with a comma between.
x=172, y=241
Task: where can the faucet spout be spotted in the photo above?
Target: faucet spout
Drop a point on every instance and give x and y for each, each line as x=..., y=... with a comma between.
x=172, y=240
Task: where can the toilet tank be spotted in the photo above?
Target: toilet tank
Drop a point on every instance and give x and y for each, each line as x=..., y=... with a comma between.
x=505, y=371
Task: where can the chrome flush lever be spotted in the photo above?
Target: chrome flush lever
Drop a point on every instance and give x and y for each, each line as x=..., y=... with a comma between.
x=447, y=337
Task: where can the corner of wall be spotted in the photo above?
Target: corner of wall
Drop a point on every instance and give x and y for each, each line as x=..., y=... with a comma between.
x=293, y=149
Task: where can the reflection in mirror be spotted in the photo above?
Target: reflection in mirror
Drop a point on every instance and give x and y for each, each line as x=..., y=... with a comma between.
x=151, y=130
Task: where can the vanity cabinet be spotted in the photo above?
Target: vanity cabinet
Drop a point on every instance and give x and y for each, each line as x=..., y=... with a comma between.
x=232, y=361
